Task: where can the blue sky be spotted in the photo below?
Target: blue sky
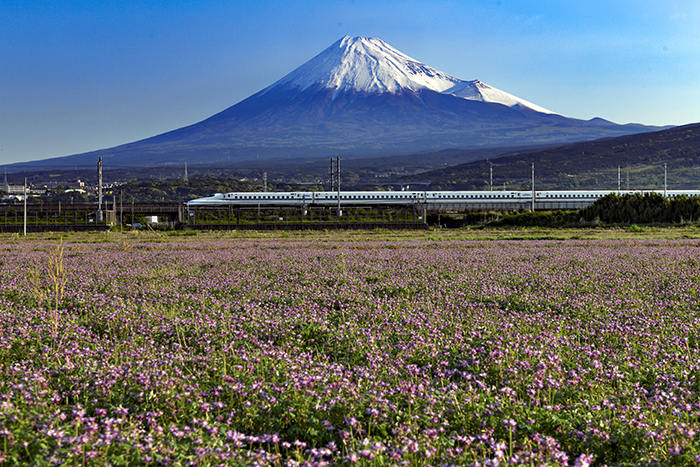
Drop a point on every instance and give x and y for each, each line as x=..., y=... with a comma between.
x=77, y=76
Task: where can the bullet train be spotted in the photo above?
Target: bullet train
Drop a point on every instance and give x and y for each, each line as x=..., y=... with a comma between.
x=426, y=198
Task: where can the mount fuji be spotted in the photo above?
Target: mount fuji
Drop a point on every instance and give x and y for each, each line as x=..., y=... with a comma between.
x=359, y=97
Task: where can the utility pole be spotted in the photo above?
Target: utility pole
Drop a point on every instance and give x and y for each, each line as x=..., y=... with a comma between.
x=619, y=179
x=186, y=179
x=665, y=179
x=491, y=178
x=25, y=206
x=533, y=187
x=265, y=182
x=99, y=190
x=121, y=210
x=337, y=164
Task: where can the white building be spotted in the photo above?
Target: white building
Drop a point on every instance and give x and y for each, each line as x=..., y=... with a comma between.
x=12, y=189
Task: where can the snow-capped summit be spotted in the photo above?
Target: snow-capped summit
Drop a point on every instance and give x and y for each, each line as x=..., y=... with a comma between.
x=366, y=65
x=370, y=65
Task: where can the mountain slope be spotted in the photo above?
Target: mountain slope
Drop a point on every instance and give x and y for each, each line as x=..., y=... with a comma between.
x=358, y=97
x=589, y=165
x=478, y=91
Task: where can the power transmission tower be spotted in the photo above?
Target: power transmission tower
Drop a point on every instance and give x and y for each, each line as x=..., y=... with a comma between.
x=332, y=173
x=335, y=181
x=533, y=187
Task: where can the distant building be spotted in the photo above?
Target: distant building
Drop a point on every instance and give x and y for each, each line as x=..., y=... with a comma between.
x=12, y=189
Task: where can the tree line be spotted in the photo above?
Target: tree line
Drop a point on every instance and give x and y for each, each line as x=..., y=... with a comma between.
x=636, y=208
x=643, y=208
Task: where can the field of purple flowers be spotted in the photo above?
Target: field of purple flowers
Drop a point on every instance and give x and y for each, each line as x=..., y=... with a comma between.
x=274, y=352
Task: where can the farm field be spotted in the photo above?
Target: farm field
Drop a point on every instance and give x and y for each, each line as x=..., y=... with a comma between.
x=428, y=348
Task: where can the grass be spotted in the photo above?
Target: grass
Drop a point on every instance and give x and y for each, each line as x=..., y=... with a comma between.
x=465, y=233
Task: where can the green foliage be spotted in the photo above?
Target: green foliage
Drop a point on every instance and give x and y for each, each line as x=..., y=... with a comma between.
x=538, y=219
x=647, y=208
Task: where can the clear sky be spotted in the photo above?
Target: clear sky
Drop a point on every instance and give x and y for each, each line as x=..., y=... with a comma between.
x=77, y=76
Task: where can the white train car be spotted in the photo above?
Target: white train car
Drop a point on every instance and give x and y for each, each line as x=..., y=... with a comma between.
x=432, y=201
